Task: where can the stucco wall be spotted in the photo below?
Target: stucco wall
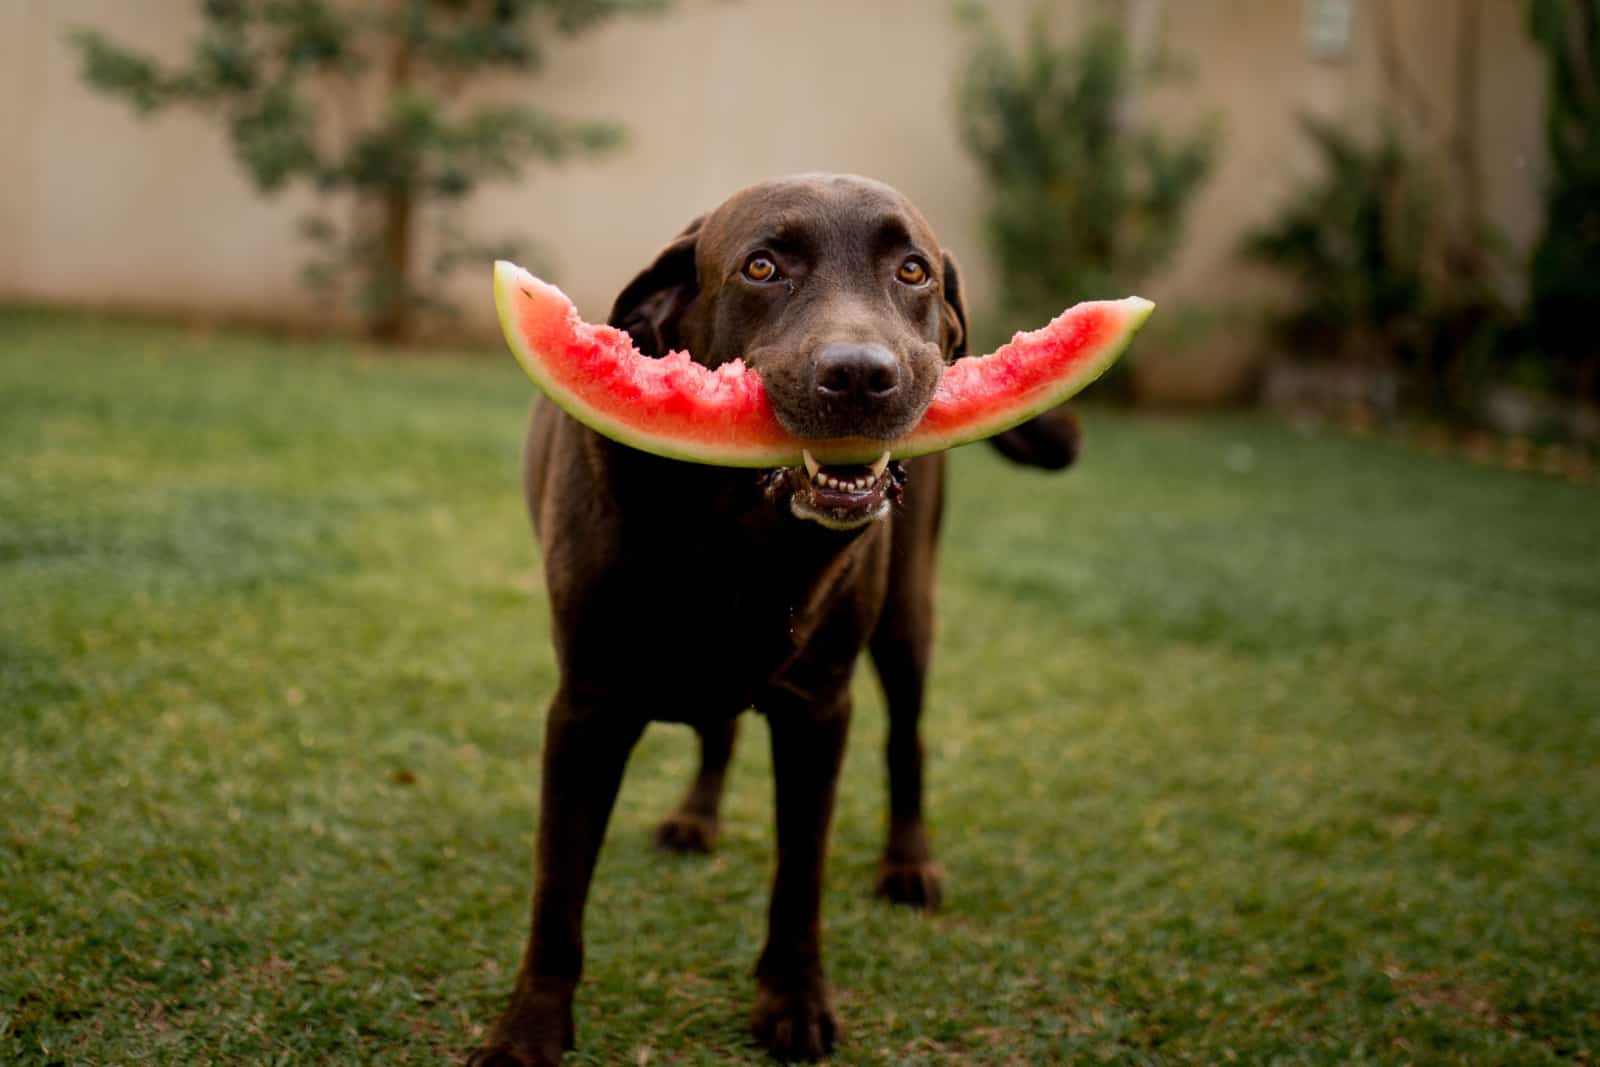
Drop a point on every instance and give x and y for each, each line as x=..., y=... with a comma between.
x=98, y=207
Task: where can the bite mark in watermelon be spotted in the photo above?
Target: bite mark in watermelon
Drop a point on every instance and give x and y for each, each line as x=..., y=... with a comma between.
x=678, y=408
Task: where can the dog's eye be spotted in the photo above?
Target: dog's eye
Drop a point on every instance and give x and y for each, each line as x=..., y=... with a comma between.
x=913, y=271
x=760, y=269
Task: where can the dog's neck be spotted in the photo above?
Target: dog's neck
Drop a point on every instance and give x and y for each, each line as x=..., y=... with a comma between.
x=695, y=506
x=712, y=553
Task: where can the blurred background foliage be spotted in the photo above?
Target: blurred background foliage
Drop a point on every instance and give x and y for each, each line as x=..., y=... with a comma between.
x=1392, y=265
x=1564, y=277
x=1376, y=274
x=382, y=103
x=1388, y=264
x=1082, y=199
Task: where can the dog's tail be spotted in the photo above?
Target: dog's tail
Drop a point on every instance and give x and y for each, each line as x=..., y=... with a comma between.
x=1048, y=441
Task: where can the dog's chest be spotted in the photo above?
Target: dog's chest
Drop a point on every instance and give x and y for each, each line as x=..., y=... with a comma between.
x=706, y=640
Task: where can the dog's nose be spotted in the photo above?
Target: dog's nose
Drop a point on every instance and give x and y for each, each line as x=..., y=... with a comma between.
x=858, y=372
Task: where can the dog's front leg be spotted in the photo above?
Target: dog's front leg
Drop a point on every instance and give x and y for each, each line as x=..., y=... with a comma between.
x=793, y=1018
x=586, y=747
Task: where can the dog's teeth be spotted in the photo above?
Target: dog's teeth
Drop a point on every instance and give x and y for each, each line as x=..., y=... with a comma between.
x=880, y=466
x=811, y=463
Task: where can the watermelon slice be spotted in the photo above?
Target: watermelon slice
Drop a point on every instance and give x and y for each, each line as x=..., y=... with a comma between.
x=678, y=408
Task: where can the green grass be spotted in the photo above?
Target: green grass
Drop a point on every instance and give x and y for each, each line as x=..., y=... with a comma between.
x=1243, y=743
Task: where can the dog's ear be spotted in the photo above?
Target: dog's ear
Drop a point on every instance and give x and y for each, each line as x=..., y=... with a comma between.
x=649, y=307
x=955, y=312
x=1050, y=441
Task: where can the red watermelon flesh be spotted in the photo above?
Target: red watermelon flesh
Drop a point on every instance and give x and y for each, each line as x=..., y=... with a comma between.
x=678, y=408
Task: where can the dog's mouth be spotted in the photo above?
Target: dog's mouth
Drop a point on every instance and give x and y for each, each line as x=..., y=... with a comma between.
x=845, y=497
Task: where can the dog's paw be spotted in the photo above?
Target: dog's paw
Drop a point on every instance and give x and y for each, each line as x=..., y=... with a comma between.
x=686, y=831
x=795, y=1025
x=506, y=1055
x=534, y=1032
x=916, y=885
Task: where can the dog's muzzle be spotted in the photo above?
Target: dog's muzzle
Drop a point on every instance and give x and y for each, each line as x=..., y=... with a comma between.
x=843, y=498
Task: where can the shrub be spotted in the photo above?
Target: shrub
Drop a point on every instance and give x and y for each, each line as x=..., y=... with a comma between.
x=1082, y=203
x=1374, y=267
x=1564, y=278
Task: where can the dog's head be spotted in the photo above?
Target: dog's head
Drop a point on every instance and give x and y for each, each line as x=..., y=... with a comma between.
x=834, y=289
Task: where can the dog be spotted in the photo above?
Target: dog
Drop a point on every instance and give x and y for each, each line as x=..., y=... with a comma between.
x=690, y=593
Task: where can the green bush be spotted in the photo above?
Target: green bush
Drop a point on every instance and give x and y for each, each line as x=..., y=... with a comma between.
x=1373, y=265
x=1564, y=279
x=1352, y=240
x=1082, y=203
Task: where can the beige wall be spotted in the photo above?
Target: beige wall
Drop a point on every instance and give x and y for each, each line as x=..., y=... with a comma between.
x=1252, y=68
x=97, y=207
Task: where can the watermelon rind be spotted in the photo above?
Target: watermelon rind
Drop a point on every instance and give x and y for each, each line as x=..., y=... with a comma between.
x=730, y=421
x=763, y=444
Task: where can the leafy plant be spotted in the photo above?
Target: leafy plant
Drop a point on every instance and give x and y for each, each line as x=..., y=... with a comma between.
x=1376, y=271
x=370, y=101
x=1083, y=202
x=1352, y=239
x=1564, y=279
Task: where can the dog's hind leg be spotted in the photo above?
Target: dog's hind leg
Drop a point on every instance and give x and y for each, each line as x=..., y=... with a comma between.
x=901, y=647
x=693, y=825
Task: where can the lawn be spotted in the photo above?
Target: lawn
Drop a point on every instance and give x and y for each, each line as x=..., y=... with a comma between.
x=1245, y=743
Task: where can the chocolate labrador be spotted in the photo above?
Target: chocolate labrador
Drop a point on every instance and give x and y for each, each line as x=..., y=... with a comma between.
x=691, y=593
